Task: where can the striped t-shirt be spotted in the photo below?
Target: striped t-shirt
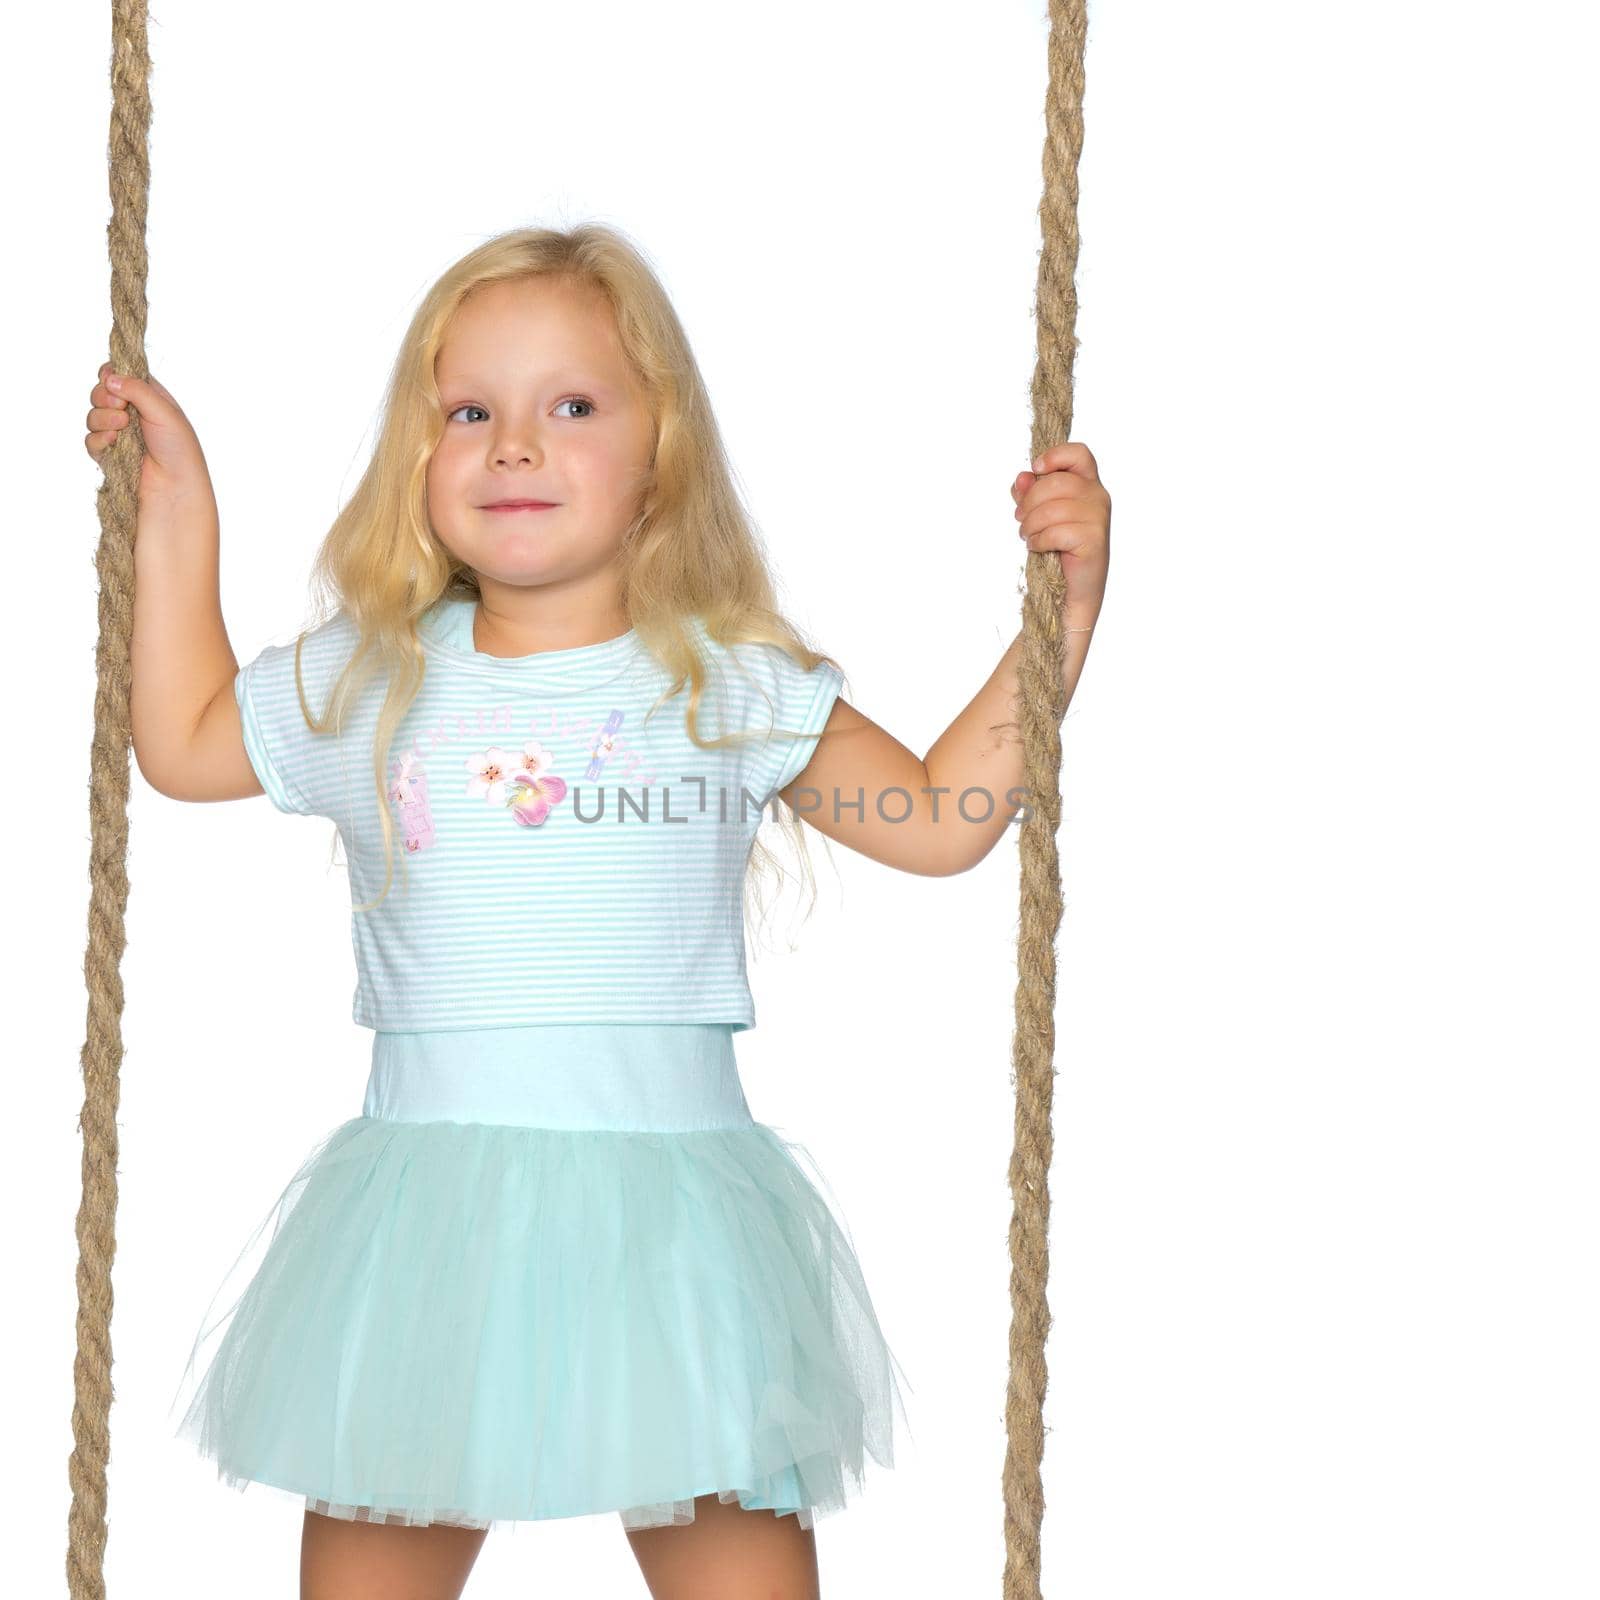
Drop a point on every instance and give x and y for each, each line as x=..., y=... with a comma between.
x=557, y=858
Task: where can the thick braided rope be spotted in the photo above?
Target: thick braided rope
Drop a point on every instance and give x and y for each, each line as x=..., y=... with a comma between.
x=1041, y=693
x=101, y=1057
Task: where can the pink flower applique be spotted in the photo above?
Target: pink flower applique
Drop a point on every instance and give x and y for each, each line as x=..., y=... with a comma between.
x=533, y=797
x=491, y=771
x=520, y=780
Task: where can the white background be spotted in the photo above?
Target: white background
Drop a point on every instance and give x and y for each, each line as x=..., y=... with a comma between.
x=1323, y=1270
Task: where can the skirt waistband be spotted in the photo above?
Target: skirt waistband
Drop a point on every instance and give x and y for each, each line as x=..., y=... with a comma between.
x=621, y=1076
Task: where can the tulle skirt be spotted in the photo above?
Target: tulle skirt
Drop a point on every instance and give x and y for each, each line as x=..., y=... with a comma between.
x=547, y=1272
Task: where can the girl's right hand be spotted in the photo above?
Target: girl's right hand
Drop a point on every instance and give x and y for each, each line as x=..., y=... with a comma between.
x=173, y=459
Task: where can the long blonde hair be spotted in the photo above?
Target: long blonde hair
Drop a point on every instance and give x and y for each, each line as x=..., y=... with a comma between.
x=693, y=550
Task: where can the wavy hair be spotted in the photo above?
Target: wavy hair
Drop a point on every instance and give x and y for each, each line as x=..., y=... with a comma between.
x=692, y=549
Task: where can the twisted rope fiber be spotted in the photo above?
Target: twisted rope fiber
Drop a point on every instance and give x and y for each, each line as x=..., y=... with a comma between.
x=1042, y=693
x=101, y=1057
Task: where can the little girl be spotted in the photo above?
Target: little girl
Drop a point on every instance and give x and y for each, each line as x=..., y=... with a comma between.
x=555, y=1267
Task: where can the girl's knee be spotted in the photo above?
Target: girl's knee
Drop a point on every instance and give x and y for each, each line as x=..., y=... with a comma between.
x=728, y=1553
x=348, y=1560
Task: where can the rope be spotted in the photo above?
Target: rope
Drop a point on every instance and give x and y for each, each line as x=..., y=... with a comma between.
x=1041, y=692
x=118, y=504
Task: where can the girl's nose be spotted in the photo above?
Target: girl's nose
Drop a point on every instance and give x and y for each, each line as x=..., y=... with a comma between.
x=517, y=449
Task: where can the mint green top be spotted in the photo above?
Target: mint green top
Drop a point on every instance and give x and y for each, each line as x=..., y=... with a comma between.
x=559, y=859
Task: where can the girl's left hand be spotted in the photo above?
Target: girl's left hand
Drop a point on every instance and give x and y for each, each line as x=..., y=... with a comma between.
x=1064, y=507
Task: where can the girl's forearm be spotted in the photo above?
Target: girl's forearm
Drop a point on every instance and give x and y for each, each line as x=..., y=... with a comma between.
x=181, y=656
x=975, y=766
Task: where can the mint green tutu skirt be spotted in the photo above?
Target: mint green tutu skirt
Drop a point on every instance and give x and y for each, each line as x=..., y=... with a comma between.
x=549, y=1271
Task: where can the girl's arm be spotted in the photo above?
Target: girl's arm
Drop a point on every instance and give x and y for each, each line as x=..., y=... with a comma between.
x=973, y=771
x=187, y=738
x=956, y=802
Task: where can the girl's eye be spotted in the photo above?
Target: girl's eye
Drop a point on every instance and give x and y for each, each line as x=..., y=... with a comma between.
x=571, y=400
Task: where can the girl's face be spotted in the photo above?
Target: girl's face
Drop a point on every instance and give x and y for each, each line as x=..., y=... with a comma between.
x=540, y=404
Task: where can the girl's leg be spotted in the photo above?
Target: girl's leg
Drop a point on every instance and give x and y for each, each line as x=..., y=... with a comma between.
x=342, y=1560
x=728, y=1553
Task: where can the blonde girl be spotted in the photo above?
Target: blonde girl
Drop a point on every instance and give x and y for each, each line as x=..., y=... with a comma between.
x=554, y=1267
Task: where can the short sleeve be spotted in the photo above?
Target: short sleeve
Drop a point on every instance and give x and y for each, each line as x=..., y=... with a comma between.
x=300, y=769
x=801, y=704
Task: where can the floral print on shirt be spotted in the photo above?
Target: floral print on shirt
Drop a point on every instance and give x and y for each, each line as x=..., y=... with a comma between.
x=520, y=780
